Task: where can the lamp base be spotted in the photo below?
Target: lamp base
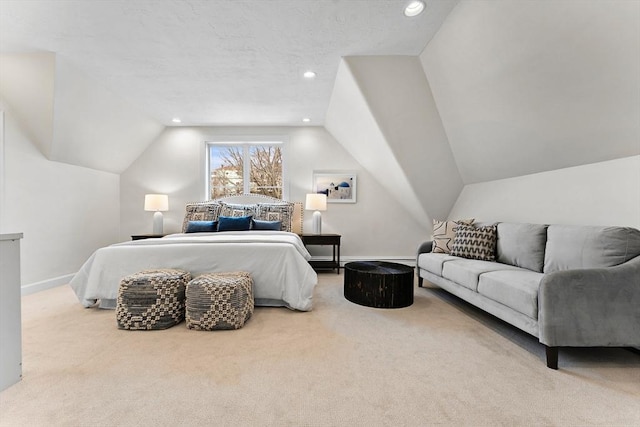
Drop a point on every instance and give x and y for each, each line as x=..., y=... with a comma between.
x=317, y=223
x=157, y=222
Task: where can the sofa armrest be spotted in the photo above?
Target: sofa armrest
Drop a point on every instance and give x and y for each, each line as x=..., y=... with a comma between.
x=424, y=247
x=591, y=307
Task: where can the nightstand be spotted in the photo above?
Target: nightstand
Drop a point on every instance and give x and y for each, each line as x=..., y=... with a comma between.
x=324, y=239
x=147, y=236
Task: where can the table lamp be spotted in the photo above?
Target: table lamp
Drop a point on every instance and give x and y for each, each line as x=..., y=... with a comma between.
x=157, y=203
x=316, y=203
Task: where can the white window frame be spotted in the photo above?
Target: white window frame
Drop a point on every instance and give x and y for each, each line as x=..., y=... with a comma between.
x=246, y=142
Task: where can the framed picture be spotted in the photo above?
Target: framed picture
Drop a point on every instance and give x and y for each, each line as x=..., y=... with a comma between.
x=339, y=186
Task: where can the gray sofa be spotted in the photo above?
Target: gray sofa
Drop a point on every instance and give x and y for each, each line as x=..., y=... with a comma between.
x=572, y=286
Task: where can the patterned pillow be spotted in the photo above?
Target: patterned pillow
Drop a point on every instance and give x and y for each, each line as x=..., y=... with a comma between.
x=444, y=232
x=204, y=211
x=475, y=243
x=230, y=209
x=282, y=212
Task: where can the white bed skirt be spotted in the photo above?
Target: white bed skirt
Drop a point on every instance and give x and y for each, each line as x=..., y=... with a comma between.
x=276, y=260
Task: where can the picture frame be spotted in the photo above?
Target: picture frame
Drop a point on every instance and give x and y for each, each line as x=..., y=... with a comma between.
x=339, y=186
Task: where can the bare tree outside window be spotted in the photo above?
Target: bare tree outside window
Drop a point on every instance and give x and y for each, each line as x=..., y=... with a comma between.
x=266, y=171
x=227, y=165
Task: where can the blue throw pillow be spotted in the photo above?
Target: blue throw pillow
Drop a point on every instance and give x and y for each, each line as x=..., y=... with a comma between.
x=259, y=224
x=234, y=223
x=201, y=226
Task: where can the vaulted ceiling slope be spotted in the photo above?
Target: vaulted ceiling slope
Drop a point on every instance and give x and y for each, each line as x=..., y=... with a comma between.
x=526, y=87
x=93, y=82
x=518, y=87
x=69, y=116
x=217, y=62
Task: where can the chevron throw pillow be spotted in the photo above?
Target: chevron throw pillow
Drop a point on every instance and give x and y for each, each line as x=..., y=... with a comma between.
x=475, y=243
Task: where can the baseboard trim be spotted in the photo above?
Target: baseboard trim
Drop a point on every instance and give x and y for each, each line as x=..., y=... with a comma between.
x=32, y=288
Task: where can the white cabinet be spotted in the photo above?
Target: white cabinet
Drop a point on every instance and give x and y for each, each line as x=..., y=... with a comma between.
x=10, y=313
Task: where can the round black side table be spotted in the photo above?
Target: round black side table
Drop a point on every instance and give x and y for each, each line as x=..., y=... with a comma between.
x=378, y=284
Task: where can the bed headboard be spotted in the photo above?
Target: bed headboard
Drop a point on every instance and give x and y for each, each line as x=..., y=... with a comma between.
x=253, y=199
x=248, y=199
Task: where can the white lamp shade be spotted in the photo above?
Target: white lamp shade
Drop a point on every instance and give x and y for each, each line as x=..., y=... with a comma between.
x=316, y=202
x=156, y=202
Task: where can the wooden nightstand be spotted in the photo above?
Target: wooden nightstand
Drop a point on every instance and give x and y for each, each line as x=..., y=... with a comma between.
x=324, y=239
x=147, y=236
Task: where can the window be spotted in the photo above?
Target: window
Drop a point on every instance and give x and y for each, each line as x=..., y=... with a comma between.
x=245, y=167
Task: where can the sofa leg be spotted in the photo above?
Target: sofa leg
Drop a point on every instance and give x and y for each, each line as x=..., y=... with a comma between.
x=552, y=357
x=420, y=279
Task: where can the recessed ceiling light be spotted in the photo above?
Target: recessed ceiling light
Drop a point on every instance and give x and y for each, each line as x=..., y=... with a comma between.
x=176, y=120
x=306, y=120
x=309, y=75
x=414, y=8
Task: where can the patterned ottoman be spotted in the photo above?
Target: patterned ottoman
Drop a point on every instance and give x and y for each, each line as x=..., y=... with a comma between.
x=151, y=299
x=219, y=301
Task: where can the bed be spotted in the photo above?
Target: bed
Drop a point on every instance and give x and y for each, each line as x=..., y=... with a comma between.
x=276, y=259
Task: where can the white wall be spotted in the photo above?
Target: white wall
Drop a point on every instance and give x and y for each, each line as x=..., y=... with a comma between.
x=531, y=86
x=605, y=193
x=383, y=113
x=64, y=211
x=375, y=226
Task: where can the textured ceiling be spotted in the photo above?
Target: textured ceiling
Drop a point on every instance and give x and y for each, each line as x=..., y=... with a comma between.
x=218, y=62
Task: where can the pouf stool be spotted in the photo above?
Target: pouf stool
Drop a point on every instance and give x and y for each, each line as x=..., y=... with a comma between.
x=219, y=301
x=151, y=299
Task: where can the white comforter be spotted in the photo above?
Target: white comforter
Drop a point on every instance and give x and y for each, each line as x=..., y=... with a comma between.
x=277, y=261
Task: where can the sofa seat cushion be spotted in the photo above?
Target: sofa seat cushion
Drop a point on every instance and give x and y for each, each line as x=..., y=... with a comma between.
x=517, y=289
x=466, y=272
x=433, y=262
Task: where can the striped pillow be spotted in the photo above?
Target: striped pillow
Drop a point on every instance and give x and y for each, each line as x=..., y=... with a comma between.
x=475, y=243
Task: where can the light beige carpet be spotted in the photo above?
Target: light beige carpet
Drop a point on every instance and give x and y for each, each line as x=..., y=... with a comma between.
x=436, y=362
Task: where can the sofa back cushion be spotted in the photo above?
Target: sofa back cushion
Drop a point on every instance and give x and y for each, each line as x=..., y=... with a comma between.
x=522, y=245
x=570, y=247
